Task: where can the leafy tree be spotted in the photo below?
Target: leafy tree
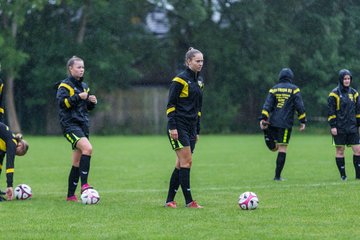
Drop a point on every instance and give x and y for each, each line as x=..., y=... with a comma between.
x=12, y=17
x=116, y=47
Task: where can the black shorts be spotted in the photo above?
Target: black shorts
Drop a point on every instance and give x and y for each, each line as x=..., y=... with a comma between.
x=342, y=139
x=280, y=135
x=74, y=133
x=187, y=136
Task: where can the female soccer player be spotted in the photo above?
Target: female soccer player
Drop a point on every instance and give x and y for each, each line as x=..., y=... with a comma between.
x=183, y=112
x=74, y=101
x=277, y=116
x=10, y=145
x=344, y=121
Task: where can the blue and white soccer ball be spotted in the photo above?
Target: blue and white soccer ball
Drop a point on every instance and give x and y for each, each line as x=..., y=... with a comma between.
x=22, y=192
x=248, y=201
x=90, y=196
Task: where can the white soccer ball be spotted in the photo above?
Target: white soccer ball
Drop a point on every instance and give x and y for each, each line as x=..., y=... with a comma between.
x=248, y=201
x=22, y=192
x=90, y=196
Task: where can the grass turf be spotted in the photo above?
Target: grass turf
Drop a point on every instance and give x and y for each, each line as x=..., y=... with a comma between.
x=132, y=173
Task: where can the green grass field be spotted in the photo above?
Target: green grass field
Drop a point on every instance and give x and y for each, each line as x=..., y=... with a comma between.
x=132, y=174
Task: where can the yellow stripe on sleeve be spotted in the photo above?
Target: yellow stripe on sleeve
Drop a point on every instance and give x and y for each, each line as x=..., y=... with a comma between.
x=337, y=100
x=10, y=170
x=302, y=116
x=185, y=90
x=172, y=109
x=68, y=87
x=331, y=117
x=265, y=113
x=67, y=104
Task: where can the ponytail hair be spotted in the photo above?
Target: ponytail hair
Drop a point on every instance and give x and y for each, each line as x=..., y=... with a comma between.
x=71, y=61
x=190, y=54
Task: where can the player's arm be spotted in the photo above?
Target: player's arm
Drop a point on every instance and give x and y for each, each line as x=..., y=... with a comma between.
x=268, y=107
x=198, y=127
x=333, y=106
x=357, y=108
x=66, y=97
x=92, y=101
x=2, y=109
x=174, y=93
x=300, y=108
x=10, y=157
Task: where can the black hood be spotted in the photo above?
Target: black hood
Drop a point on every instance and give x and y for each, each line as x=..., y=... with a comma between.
x=342, y=74
x=286, y=74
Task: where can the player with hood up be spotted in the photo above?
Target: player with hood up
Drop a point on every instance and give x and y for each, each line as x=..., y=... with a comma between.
x=344, y=121
x=277, y=116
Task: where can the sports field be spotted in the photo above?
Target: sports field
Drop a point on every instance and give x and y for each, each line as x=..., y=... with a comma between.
x=132, y=173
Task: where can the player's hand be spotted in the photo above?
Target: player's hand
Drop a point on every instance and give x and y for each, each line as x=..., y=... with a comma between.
x=18, y=136
x=83, y=95
x=333, y=131
x=264, y=124
x=197, y=137
x=9, y=193
x=302, y=127
x=92, y=98
x=174, y=134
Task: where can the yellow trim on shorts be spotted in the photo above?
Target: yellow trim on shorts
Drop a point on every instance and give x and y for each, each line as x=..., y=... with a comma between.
x=285, y=135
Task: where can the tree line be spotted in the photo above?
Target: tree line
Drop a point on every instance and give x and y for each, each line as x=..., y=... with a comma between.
x=128, y=43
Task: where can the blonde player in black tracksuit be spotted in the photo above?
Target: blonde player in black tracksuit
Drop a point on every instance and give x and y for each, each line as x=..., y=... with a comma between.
x=75, y=102
x=183, y=112
x=277, y=116
x=344, y=121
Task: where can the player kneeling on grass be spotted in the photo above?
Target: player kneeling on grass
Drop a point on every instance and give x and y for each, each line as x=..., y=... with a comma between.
x=277, y=116
x=344, y=121
x=10, y=145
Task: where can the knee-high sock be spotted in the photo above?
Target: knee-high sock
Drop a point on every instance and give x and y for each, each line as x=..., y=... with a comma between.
x=280, y=162
x=84, y=168
x=173, y=185
x=340, y=162
x=73, y=180
x=185, y=184
x=356, y=160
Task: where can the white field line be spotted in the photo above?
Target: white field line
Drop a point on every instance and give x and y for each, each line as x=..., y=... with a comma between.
x=220, y=189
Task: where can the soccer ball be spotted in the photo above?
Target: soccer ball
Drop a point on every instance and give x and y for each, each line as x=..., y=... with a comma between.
x=90, y=196
x=23, y=192
x=248, y=201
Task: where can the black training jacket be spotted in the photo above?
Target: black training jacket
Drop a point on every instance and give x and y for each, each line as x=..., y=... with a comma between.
x=344, y=108
x=282, y=101
x=72, y=109
x=185, y=99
